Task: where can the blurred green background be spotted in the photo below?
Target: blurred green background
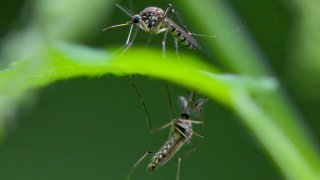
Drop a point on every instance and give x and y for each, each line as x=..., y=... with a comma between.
x=94, y=128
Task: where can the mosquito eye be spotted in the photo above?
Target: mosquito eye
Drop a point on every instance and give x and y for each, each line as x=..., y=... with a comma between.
x=136, y=19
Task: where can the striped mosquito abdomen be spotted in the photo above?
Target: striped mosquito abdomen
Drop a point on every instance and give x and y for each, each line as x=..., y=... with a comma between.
x=166, y=152
x=181, y=35
x=182, y=135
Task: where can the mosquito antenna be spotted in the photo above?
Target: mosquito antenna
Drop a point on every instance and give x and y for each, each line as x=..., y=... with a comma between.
x=124, y=10
x=124, y=24
x=115, y=26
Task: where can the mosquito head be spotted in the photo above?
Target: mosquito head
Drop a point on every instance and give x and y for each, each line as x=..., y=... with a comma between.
x=185, y=115
x=190, y=106
x=136, y=19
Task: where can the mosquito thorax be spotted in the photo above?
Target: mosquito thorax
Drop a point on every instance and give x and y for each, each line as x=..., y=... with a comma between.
x=152, y=17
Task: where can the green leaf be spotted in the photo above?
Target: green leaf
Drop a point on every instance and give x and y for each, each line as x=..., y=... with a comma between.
x=63, y=61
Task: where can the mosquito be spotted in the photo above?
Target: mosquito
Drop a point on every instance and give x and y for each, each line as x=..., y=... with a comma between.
x=154, y=20
x=180, y=134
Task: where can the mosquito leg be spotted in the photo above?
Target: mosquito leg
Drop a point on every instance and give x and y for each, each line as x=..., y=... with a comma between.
x=133, y=37
x=176, y=44
x=164, y=44
x=136, y=164
x=129, y=41
x=171, y=131
x=181, y=158
x=168, y=11
x=167, y=86
x=142, y=102
x=202, y=124
x=129, y=35
x=169, y=101
x=200, y=135
x=197, y=105
x=162, y=127
x=190, y=121
x=193, y=132
x=178, y=169
x=170, y=108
